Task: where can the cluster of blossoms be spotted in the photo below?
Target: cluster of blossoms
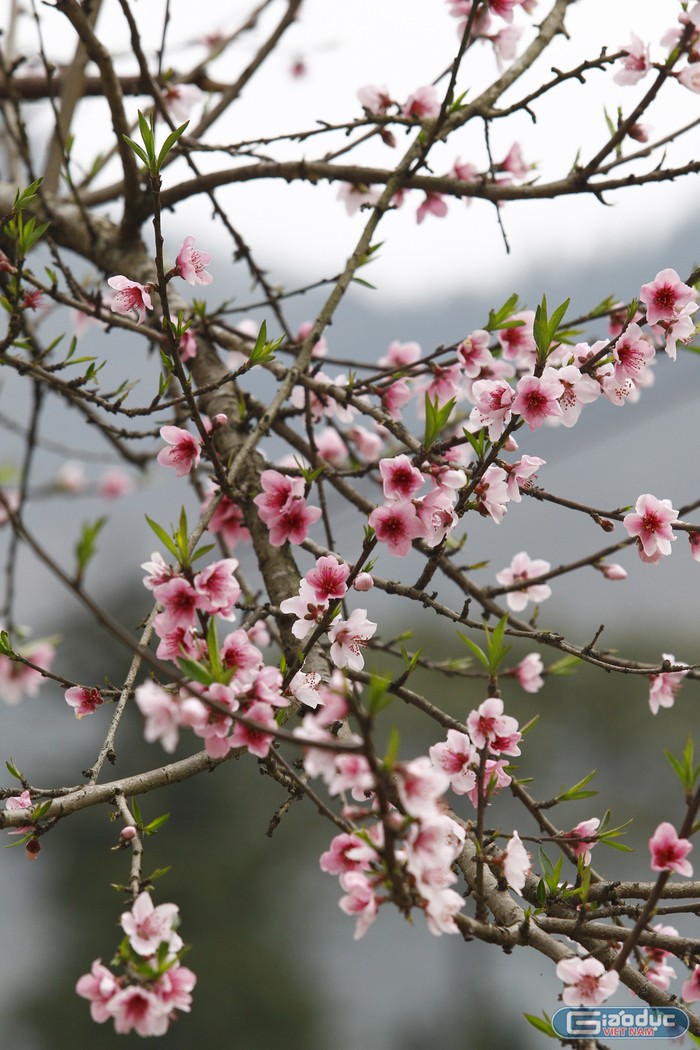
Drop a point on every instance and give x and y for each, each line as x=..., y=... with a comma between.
x=132, y=297
x=414, y=843
x=404, y=518
x=323, y=584
x=636, y=62
x=153, y=985
x=232, y=676
x=407, y=854
x=282, y=507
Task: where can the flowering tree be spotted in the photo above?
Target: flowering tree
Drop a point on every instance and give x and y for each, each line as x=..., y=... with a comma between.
x=263, y=654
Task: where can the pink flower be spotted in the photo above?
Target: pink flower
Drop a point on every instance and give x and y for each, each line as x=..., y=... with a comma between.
x=537, y=399
x=190, y=265
x=17, y=680
x=135, y=1007
x=180, y=601
x=115, y=483
x=632, y=353
x=455, y=757
x=514, y=163
x=516, y=863
x=664, y=686
x=292, y=524
x=359, y=900
x=400, y=479
x=434, y=204
x=436, y=514
x=277, y=490
x=254, y=738
x=162, y=713
x=85, y=701
x=348, y=639
x=665, y=296
x=492, y=493
x=651, y=523
x=587, y=983
x=217, y=587
x=173, y=988
x=518, y=342
x=400, y=355
x=694, y=540
x=584, y=830
x=489, y=726
x=690, y=76
x=308, y=609
x=70, y=477
x=98, y=986
x=529, y=673
x=339, y=857
x=130, y=296
x=397, y=525
x=521, y=475
x=668, y=852
x=635, y=65
x=374, y=99
x=147, y=927
x=523, y=568
x=579, y=390
x=328, y=578
x=356, y=195
x=474, y=354
x=179, y=100
x=493, y=403
x=184, y=451
x=690, y=992
x=422, y=104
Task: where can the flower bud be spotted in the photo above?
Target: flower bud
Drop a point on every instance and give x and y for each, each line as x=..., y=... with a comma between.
x=363, y=582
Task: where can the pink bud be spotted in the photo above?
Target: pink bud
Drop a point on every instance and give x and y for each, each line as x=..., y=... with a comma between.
x=127, y=834
x=363, y=582
x=613, y=571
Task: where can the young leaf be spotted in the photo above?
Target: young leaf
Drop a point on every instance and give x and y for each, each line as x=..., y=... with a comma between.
x=86, y=547
x=169, y=143
x=163, y=536
x=436, y=418
x=542, y=1025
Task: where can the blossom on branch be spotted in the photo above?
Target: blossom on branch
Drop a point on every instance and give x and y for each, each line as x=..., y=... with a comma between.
x=669, y=852
x=651, y=524
x=587, y=983
x=130, y=296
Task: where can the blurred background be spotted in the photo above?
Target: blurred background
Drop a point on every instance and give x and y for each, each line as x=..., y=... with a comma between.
x=276, y=961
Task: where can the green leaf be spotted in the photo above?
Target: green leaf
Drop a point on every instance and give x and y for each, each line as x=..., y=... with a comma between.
x=169, y=143
x=5, y=647
x=86, y=547
x=542, y=1025
x=137, y=150
x=163, y=536
x=201, y=551
x=567, y=665
x=213, y=647
x=152, y=828
x=436, y=418
x=575, y=792
x=13, y=770
x=498, y=318
x=197, y=672
x=478, y=652
x=545, y=328
x=146, y=129
x=40, y=810
x=378, y=696
x=392, y=750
